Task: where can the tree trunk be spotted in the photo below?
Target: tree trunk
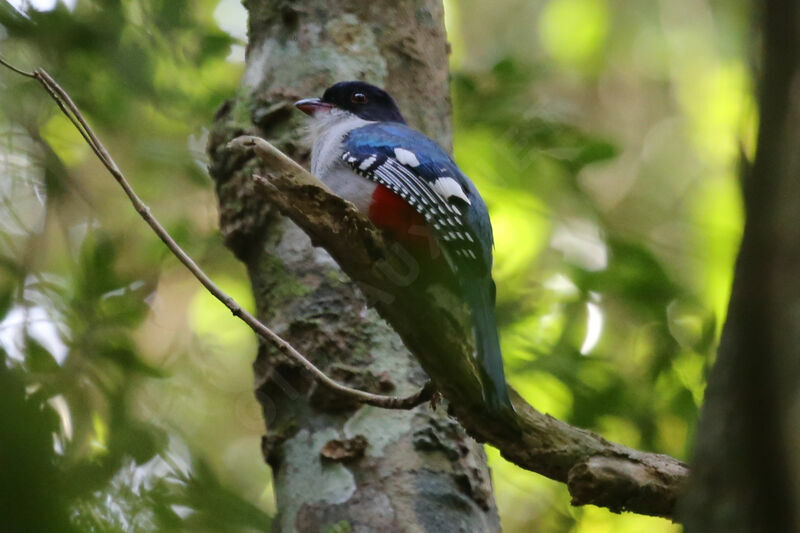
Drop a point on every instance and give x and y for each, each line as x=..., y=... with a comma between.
x=334, y=463
x=746, y=471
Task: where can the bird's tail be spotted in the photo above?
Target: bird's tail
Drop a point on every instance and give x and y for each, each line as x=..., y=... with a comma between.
x=481, y=303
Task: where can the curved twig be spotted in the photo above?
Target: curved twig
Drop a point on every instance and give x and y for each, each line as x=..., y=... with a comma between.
x=72, y=112
x=15, y=69
x=595, y=470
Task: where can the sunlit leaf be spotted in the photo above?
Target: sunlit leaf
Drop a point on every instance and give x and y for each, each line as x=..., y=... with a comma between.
x=574, y=30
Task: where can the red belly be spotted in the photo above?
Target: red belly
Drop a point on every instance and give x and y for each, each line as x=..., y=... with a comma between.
x=394, y=215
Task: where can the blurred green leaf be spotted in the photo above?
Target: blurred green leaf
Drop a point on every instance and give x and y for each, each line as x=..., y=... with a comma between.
x=6, y=299
x=38, y=358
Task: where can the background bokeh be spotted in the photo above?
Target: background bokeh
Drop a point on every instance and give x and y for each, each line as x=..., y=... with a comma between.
x=605, y=136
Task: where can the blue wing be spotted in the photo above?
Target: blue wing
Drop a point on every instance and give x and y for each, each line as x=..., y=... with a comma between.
x=416, y=168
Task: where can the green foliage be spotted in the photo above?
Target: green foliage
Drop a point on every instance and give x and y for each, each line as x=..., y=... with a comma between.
x=31, y=486
x=597, y=153
x=87, y=369
x=604, y=137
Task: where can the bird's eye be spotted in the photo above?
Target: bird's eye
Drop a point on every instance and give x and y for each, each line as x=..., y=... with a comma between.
x=359, y=98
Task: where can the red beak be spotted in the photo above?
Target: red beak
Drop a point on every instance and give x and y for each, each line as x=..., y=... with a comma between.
x=310, y=106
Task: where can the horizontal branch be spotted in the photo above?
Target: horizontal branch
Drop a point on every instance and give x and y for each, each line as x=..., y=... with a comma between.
x=72, y=112
x=435, y=327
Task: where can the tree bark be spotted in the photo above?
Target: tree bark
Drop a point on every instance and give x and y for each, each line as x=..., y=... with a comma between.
x=336, y=464
x=746, y=471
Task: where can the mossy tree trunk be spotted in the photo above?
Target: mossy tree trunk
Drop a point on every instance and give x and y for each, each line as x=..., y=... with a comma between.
x=336, y=464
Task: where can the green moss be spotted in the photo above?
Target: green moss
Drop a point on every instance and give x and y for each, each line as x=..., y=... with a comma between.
x=274, y=283
x=240, y=114
x=339, y=527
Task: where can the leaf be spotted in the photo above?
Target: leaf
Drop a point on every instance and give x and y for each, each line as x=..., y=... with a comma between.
x=6, y=299
x=38, y=358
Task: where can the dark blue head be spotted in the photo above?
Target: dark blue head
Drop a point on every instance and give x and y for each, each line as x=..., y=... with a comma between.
x=362, y=99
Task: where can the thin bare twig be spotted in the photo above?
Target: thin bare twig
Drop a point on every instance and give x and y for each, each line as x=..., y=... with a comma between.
x=72, y=112
x=15, y=69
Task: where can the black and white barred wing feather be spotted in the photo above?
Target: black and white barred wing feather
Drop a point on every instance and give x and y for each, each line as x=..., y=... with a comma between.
x=420, y=172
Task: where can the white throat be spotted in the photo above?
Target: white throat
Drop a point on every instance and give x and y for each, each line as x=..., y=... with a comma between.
x=326, y=133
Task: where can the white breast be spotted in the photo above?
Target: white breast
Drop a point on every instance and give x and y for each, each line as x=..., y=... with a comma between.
x=327, y=132
x=350, y=186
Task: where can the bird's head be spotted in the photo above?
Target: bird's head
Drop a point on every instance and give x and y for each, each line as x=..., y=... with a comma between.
x=354, y=97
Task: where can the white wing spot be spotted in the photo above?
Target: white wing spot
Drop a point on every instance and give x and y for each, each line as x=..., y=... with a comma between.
x=448, y=188
x=365, y=164
x=406, y=157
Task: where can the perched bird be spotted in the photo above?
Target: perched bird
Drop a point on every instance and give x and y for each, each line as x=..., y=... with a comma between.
x=403, y=181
